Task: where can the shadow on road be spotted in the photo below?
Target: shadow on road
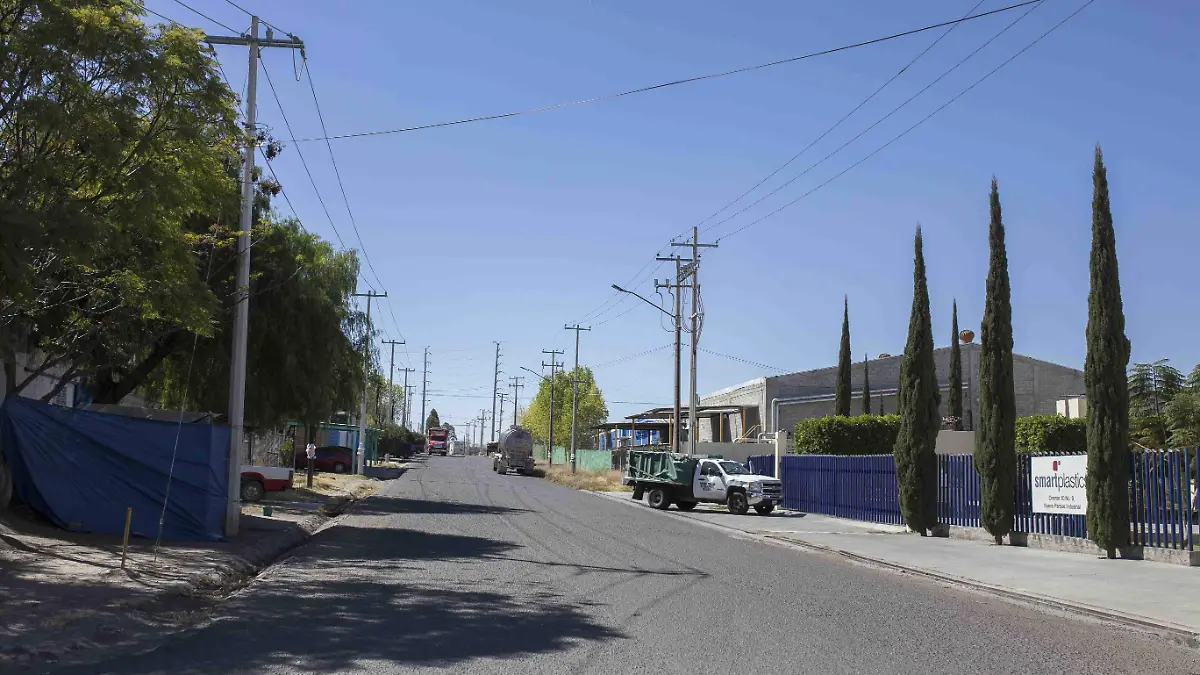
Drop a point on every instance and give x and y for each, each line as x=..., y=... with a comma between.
x=382, y=505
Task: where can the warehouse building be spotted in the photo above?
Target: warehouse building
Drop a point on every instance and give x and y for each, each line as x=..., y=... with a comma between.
x=769, y=403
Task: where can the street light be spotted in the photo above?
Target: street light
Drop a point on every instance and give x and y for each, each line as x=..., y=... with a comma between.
x=622, y=290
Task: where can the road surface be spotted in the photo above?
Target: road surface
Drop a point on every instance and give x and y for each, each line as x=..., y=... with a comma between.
x=457, y=570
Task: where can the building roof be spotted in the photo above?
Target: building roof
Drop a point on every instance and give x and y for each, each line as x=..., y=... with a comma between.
x=668, y=411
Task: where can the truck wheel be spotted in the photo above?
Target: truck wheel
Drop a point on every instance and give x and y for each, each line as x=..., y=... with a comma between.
x=657, y=498
x=252, y=491
x=764, y=509
x=686, y=506
x=738, y=505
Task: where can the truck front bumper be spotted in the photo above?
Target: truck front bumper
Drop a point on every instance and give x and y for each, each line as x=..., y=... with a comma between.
x=756, y=497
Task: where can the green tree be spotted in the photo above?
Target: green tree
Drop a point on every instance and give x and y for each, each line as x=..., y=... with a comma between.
x=841, y=402
x=113, y=135
x=592, y=409
x=995, y=440
x=916, y=461
x=1105, y=381
x=1183, y=414
x=954, y=384
x=433, y=421
x=1152, y=386
x=866, y=392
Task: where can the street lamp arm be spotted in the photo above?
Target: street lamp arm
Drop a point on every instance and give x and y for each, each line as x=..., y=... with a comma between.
x=639, y=297
x=534, y=373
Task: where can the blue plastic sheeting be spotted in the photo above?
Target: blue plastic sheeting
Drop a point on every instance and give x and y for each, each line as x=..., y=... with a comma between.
x=82, y=470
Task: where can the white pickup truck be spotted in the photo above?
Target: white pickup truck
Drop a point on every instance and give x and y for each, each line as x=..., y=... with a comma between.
x=664, y=479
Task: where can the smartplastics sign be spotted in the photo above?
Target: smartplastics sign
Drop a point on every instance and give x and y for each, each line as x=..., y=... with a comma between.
x=1059, y=484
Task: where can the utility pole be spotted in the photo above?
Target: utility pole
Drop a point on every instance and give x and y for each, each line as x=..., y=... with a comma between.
x=391, y=373
x=495, y=390
x=693, y=269
x=241, y=317
x=676, y=290
x=550, y=433
x=517, y=383
x=424, y=387
x=405, y=397
x=361, y=455
x=500, y=420
x=574, y=390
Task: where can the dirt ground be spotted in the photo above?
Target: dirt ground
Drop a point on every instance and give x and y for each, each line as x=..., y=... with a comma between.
x=597, y=480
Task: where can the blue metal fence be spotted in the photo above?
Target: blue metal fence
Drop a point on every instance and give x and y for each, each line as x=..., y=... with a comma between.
x=1162, y=506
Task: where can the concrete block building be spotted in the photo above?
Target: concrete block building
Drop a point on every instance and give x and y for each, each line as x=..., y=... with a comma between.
x=778, y=402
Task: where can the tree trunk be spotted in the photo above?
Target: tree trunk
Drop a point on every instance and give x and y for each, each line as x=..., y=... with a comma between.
x=111, y=392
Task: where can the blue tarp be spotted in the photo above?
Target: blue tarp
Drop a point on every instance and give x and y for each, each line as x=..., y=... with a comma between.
x=82, y=470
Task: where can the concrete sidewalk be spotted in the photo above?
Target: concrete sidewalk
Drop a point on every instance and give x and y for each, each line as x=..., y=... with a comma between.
x=1159, y=596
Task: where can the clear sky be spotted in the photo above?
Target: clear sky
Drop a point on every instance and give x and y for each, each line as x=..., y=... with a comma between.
x=505, y=230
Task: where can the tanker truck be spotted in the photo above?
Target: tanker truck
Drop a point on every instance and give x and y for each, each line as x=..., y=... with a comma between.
x=514, y=450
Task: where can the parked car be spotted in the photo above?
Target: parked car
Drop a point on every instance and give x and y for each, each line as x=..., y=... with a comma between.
x=259, y=480
x=334, y=458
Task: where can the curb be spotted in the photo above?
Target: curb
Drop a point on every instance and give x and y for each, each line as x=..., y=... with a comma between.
x=1177, y=634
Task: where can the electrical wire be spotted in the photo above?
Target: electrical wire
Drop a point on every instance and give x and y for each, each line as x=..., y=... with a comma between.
x=260, y=19
x=632, y=356
x=664, y=85
x=741, y=360
x=196, y=11
x=877, y=122
x=919, y=123
x=838, y=123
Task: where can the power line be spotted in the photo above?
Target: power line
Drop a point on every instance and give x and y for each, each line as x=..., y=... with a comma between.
x=741, y=360
x=663, y=85
x=338, y=174
x=264, y=21
x=838, y=123
x=877, y=122
x=196, y=11
x=919, y=123
x=632, y=356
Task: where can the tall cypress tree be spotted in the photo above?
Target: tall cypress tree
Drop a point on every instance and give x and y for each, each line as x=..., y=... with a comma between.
x=841, y=401
x=916, y=462
x=995, y=440
x=955, y=404
x=866, y=396
x=1105, y=381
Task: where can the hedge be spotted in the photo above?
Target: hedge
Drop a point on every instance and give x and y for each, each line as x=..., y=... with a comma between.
x=1050, y=433
x=862, y=435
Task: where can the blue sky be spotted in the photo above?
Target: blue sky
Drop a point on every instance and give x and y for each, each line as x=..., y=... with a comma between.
x=506, y=230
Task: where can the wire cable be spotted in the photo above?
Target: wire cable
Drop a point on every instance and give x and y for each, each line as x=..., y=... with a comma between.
x=673, y=83
x=741, y=360
x=260, y=19
x=919, y=123
x=632, y=356
x=196, y=11
x=877, y=122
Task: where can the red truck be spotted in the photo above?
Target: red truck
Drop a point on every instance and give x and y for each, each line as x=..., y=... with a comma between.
x=438, y=441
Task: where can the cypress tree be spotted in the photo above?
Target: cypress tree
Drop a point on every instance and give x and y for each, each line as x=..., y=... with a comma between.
x=916, y=462
x=1105, y=382
x=866, y=385
x=841, y=401
x=995, y=440
x=955, y=404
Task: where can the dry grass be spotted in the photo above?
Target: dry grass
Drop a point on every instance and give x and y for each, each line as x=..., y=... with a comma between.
x=595, y=480
x=328, y=485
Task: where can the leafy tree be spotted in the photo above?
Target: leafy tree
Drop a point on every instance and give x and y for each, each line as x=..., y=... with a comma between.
x=1183, y=414
x=433, y=421
x=954, y=385
x=841, y=403
x=451, y=432
x=1105, y=381
x=995, y=440
x=113, y=134
x=916, y=462
x=1152, y=386
x=866, y=392
x=592, y=409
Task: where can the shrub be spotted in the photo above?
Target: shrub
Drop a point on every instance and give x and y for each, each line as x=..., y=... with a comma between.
x=862, y=435
x=1050, y=433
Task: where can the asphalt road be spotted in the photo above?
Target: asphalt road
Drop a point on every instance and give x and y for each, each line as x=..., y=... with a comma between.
x=456, y=569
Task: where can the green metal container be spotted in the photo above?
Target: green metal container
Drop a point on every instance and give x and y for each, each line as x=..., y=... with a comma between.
x=663, y=467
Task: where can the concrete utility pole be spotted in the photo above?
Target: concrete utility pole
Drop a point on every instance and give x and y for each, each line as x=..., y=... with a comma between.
x=517, y=383
x=495, y=390
x=500, y=420
x=677, y=291
x=574, y=391
x=391, y=373
x=405, y=396
x=361, y=455
x=693, y=269
x=241, y=317
x=550, y=432
x=424, y=387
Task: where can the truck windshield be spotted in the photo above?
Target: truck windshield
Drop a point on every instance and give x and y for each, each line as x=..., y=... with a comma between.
x=734, y=468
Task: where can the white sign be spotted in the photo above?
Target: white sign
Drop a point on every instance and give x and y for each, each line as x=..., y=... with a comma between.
x=1059, y=484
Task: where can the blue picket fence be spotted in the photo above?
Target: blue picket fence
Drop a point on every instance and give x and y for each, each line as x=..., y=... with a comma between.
x=1162, y=507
